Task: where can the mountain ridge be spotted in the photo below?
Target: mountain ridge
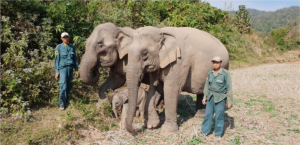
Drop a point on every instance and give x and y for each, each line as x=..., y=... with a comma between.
x=265, y=21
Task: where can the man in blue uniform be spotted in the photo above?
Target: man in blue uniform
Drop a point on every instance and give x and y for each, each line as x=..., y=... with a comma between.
x=65, y=62
x=217, y=90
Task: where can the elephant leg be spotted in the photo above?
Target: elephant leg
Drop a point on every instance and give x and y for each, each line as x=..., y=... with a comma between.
x=152, y=118
x=142, y=109
x=159, y=101
x=137, y=113
x=123, y=115
x=200, y=108
x=171, y=93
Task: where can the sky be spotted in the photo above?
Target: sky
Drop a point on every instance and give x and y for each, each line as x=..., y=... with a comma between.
x=264, y=5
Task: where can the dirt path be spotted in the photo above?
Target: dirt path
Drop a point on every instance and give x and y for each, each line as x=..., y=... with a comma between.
x=266, y=111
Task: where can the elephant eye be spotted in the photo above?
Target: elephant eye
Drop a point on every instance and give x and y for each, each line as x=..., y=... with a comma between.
x=100, y=45
x=144, y=55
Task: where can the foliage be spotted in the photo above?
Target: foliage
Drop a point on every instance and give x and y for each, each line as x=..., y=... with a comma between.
x=286, y=37
x=28, y=43
x=195, y=141
x=27, y=59
x=267, y=21
x=242, y=20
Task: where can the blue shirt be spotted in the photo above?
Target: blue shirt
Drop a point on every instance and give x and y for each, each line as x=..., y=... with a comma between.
x=65, y=56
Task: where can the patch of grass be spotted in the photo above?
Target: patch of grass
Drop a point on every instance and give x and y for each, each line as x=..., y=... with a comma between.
x=250, y=112
x=257, y=100
x=195, y=140
x=237, y=140
x=268, y=106
x=143, y=141
x=164, y=139
x=249, y=103
x=293, y=117
x=263, y=96
x=274, y=115
x=237, y=101
x=103, y=127
x=294, y=130
x=69, y=115
x=107, y=110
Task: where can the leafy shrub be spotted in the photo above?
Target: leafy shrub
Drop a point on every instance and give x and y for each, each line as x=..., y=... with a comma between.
x=26, y=62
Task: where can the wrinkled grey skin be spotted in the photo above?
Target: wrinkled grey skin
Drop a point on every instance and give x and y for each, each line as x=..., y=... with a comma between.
x=177, y=59
x=120, y=99
x=106, y=47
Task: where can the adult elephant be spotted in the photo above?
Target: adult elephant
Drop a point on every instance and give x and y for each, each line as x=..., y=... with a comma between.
x=106, y=47
x=178, y=58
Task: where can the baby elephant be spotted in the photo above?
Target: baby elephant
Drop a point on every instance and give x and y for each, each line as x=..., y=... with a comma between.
x=121, y=99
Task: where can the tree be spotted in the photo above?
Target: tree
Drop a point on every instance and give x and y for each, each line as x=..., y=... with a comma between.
x=242, y=20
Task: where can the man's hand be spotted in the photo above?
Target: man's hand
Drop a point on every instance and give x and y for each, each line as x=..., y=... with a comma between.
x=56, y=75
x=204, y=101
x=76, y=74
x=229, y=106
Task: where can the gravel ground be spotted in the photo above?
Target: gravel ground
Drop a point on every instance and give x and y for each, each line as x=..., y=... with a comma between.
x=266, y=111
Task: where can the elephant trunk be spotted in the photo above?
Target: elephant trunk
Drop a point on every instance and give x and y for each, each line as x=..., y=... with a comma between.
x=133, y=81
x=114, y=107
x=89, y=73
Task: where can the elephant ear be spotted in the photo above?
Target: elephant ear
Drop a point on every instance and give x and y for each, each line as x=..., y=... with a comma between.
x=169, y=51
x=124, y=39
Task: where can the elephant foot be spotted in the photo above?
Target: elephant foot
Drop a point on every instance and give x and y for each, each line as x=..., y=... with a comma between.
x=152, y=122
x=200, y=113
x=170, y=126
x=122, y=125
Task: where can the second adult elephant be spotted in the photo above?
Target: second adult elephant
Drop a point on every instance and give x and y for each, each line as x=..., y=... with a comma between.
x=178, y=58
x=107, y=46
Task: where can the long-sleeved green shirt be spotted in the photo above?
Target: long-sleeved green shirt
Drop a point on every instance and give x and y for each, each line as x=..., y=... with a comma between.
x=219, y=86
x=65, y=56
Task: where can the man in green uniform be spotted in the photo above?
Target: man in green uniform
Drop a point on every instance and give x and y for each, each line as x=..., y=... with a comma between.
x=217, y=90
x=65, y=62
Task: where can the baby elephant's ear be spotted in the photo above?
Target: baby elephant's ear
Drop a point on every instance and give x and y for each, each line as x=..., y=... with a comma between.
x=169, y=51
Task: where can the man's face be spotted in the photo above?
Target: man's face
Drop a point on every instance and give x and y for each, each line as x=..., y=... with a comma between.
x=216, y=64
x=65, y=39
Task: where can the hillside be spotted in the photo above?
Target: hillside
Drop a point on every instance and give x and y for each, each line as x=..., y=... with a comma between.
x=263, y=21
x=293, y=28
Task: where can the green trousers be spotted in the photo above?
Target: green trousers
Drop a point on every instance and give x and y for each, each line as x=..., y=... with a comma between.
x=65, y=83
x=219, y=110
